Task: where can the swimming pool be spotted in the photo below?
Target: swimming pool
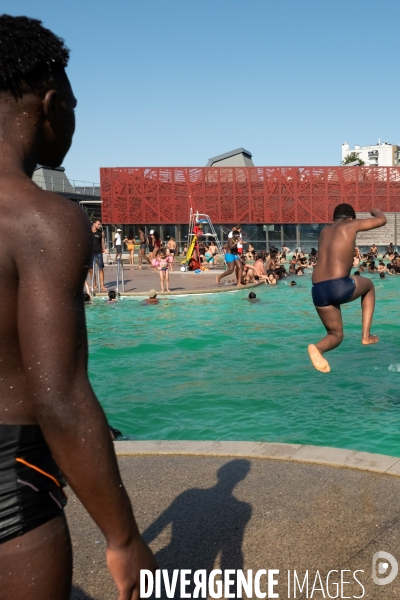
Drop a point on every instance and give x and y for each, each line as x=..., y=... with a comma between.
x=217, y=367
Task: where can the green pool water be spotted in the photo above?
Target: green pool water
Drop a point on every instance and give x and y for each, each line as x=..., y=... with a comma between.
x=216, y=367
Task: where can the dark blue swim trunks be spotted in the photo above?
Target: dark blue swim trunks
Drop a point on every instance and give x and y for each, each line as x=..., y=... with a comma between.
x=333, y=292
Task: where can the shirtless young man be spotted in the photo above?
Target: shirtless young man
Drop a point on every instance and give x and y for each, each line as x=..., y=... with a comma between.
x=332, y=285
x=50, y=418
x=259, y=266
x=272, y=262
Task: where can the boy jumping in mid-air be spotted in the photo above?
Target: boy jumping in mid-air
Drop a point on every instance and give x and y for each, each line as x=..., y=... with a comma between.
x=332, y=285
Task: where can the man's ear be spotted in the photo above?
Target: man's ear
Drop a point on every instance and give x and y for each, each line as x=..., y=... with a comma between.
x=50, y=103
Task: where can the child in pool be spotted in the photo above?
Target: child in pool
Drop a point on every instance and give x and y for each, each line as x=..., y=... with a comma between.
x=162, y=264
x=112, y=297
x=332, y=285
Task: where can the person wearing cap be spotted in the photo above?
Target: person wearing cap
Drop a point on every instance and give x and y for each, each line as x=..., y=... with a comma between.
x=152, y=299
x=118, y=243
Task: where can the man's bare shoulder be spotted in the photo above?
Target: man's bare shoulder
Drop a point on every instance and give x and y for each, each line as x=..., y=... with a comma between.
x=22, y=198
x=32, y=216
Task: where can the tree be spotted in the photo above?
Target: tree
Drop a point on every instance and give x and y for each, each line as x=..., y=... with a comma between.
x=351, y=158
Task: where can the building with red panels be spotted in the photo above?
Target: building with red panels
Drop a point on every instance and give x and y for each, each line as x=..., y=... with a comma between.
x=275, y=205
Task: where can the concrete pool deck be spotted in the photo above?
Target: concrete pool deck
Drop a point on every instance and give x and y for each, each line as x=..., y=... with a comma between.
x=139, y=282
x=249, y=505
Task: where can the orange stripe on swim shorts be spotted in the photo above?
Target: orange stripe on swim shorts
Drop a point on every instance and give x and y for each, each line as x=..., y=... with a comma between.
x=21, y=460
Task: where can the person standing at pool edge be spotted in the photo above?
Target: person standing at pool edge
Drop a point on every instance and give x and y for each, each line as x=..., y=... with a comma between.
x=98, y=246
x=332, y=285
x=118, y=244
x=143, y=247
x=49, y=414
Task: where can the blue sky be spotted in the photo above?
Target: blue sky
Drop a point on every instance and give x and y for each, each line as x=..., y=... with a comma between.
x=174, y=82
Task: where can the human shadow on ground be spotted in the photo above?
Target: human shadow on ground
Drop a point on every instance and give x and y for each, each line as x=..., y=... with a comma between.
x=111, y=284
x=205, y=523
x=78, y=594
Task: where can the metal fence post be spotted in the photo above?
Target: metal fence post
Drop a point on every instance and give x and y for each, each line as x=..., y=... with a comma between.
x=93, y=268
x=122, y=277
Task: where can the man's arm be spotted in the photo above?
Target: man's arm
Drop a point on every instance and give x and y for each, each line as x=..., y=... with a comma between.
x=378, y=220
x=54, y=353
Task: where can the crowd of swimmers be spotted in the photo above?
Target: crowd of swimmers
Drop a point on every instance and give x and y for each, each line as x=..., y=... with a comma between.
x=246, y=264
x=369, y=262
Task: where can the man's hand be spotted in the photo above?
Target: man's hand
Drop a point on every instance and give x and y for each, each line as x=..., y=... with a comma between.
x=125, y=564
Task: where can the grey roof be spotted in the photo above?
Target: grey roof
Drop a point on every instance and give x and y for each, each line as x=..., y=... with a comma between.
x=49, y=168
x=228, y=155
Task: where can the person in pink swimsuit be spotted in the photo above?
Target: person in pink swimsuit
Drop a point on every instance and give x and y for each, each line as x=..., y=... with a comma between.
x=163, y=264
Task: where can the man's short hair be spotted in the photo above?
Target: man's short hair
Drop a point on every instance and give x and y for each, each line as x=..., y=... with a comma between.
x=30, y=55
x=344, y=211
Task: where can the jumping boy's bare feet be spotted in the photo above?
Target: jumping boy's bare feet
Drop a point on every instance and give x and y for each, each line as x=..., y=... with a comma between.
x=319, y=362
x=372, y=339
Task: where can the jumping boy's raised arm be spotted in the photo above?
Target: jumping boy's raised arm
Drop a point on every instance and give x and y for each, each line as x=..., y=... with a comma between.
x=378, y=220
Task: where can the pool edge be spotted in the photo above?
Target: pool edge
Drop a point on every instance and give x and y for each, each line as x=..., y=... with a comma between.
x=322, y=455
x=199, y=291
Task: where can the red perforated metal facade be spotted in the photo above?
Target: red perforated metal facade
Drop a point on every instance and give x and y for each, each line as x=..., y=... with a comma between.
x=160, y=195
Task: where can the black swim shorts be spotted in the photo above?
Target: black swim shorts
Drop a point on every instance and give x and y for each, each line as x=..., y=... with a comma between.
x=31, y=484
x=333, y=292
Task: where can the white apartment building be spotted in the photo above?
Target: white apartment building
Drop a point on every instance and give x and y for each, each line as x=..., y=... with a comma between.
x=380, y=155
